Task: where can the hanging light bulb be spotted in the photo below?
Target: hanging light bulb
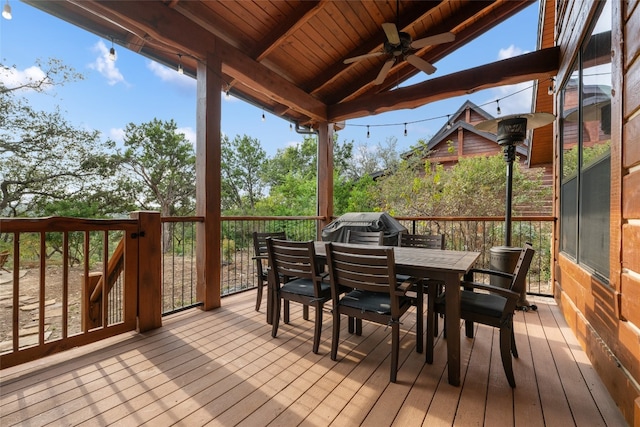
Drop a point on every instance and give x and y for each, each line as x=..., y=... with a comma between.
x=290, y=127
x=448, y=122
x=180, y=69
x=263, y=117
x=6, y=11
x=112, y=51
x=368, y=133
x=227, y=95
x=552, y=87
x=405, y=129
x=498, y=111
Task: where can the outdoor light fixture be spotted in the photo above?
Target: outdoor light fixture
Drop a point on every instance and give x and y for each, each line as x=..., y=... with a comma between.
x=552, y=87
x=405, y=129
x=263, y=117
x=112, y=51
x=498, y=111
x=180, y=69
x=448, y=122
x=6, y=11
x=368, y=133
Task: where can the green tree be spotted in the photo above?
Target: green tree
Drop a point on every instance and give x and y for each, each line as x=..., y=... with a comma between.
x=475, y=186
x=160, y=164
x=43, y=157
x=243, y=161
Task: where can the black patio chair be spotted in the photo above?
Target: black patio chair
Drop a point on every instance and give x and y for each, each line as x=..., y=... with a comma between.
x=425, y=241
x=365, y=237
x=295, y=276
x=260, y=256
x=369, y=274
x=494, y=307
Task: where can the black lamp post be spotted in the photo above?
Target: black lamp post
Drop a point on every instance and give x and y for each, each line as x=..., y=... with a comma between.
x=511, y=131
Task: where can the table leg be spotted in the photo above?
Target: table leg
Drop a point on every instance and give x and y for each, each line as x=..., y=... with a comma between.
x=452, y=325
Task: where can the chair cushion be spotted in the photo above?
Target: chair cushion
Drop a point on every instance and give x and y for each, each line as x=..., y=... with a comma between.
x=369, y=301
x=303, y=287
x=481, y=303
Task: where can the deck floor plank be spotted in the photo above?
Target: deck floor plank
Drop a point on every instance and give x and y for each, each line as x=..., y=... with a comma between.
x=223, y=368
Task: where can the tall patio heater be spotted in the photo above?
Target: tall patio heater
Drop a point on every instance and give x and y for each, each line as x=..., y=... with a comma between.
x=511, y=130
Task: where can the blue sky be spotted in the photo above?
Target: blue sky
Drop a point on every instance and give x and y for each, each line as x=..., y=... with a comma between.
x=135, y=89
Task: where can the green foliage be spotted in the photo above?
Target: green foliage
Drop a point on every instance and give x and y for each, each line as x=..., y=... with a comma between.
x=43, y=157
x=159, y=166
x=475, y=186
x=228, y=250
x=243, y=162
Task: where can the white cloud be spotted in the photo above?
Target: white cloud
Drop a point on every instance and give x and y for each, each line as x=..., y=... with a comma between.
x=189, y=134
x=105, y=66
x=510, y=52
x=13, y=78
x=116, y=134
x=171, y=76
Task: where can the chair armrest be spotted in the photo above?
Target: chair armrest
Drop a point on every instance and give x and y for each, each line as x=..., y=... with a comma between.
x=492, y=272
x=260, y=257
x=507, y=293
x=406, y=285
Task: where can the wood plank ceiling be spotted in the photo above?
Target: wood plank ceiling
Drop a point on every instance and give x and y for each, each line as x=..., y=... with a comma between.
x=287, y=56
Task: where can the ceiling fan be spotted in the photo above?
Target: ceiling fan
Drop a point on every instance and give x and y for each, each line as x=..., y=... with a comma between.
x=398, y=46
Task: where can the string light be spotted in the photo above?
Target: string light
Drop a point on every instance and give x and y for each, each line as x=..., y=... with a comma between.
x=498, y=112
x=552, y=87
x=263, y=117
x=368, y=133
x=448, y=116
x=112, y=51
x=448, y=122
x=180, y=69
x=405, y=129
x=6, y=11
x=290, y=127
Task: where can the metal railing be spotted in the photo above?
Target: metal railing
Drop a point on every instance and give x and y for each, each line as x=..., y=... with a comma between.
x=238, y=270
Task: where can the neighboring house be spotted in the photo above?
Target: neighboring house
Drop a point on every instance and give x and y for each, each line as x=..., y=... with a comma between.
x=459, y=138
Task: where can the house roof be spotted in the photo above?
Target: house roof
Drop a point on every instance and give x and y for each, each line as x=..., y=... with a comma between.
x=288, y=56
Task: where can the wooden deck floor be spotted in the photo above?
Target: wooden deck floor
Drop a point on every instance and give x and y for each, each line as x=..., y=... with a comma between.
x=223, y=368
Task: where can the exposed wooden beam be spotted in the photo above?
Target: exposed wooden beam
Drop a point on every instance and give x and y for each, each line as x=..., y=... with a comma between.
x=535, y=65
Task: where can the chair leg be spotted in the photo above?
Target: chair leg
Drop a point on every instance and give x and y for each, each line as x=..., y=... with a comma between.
x=286, y=311
x=395, y=350
x=259, y=297
x=335, y=337
x=420, y=319
x=431, y=324
x=351, y=324
x=305, y=312
x=514, y=349
x=505, y=352
x=318, y=328
x=358, y=326
x=275, y=316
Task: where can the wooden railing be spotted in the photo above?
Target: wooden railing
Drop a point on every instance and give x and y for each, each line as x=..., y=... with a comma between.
x=57, y=295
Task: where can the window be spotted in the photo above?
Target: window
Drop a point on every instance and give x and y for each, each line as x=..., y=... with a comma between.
x=586, y=152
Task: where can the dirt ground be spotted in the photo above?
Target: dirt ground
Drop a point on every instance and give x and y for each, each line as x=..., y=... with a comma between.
x=179, y=290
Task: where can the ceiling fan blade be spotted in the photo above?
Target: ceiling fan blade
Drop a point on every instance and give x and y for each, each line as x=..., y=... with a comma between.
x=360, y=57
x=392, y=33
x=420, y=64
x=437, y=39
x=384, y=71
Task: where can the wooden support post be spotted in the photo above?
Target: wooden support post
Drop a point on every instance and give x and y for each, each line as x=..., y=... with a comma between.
x=325, y=174
x=149, y=270
x=208, y=182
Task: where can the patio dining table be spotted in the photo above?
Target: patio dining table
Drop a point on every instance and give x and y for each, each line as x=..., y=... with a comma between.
x=443, y=265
